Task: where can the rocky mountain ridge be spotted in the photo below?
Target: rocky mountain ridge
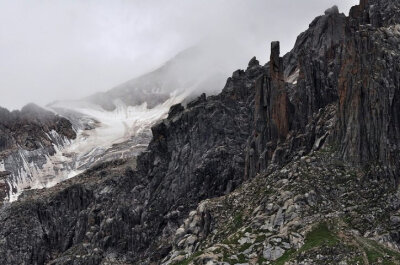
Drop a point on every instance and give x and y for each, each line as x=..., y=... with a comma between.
x=294, y=162
x=25, y=136
x=108, y=126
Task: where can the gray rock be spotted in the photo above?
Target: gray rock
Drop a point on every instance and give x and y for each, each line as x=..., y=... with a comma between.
x=273, y=252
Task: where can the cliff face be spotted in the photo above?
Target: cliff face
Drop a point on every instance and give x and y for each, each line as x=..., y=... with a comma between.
x=311, y=132
x=368, y=118
x=323, y=191
x=368, y=89
x=26, y=136
x=298, y=89
x=342, y=63
x=28, y=128
x=378, y=13
x=272, y=107
x=112, y=213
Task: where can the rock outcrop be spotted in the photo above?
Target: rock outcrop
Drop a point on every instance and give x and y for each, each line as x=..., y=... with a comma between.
x=29, y=128
x=315, y=210
x=27, y=136
x=369, y=99
x=339, y=61
x=112, y=213
x=294, y=92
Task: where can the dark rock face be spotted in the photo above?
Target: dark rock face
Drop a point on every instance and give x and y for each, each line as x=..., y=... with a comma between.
x=369, y=103
x=30, y=223
x=32, y=130
x=109, y=214
x=28, y=128
x=378, y=13
x=271, y=113
x=292, y=96
x=183, y=168
x=369, y=87
x=341, y=62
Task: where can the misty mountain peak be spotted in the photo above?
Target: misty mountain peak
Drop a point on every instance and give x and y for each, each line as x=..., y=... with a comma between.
x=32, y=108
x=333, y=10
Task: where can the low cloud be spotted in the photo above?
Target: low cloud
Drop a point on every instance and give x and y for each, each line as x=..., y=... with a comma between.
x=64, y=49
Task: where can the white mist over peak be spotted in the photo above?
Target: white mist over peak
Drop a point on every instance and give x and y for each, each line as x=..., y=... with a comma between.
x=112, y=125
x=52, y=50
x=193, y=71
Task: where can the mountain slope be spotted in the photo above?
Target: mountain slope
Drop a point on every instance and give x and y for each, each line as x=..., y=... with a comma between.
x=113, y=213
x=295, y=161
x=324, y=155
x=111, y=125
x=192, y=71
x=26, y=137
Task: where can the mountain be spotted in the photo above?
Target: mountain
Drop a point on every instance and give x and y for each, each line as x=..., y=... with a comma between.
x=112, y=125
x=28, y=140
x=190, y=72
x=294, y=162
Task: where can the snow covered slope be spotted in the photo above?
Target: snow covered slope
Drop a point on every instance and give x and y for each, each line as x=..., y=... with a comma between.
x=114, y=124
x=101, y=136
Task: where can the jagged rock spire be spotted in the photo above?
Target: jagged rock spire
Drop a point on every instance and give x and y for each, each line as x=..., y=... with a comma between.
x=276, y=64
x=278, y=100
x=253, y=62
x=271, y=114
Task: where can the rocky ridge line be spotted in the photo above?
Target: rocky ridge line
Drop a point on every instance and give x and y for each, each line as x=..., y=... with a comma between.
x=28, y=135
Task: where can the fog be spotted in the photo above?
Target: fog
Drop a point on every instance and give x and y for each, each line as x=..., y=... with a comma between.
x=68, y=49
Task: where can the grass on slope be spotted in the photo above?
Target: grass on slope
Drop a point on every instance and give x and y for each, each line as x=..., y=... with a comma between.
x=378, y=254
x=318, y=236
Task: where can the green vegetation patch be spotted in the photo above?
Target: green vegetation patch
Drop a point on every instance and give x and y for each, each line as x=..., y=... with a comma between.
x=358, y=260
x=245, y=246
x=238, y=221
x=376, y=253
x=260, y=238
x=320, y=235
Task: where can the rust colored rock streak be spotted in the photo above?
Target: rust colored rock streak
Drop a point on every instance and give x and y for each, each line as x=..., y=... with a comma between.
x=279, y=100
x=271, y=115
x=368, y=102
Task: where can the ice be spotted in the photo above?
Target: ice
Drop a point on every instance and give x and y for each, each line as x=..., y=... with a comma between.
x=92, y=145
x=115, y=127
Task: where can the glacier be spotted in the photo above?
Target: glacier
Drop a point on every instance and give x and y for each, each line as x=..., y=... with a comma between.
x=115, y=124
x=101, y=136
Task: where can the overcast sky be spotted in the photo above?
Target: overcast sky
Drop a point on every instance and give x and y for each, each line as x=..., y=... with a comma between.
x=67, y=49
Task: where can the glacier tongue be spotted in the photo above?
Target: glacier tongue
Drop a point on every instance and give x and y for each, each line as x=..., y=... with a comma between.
x=101, y=136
